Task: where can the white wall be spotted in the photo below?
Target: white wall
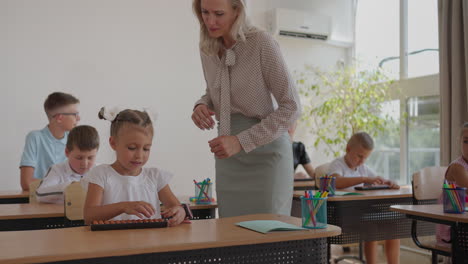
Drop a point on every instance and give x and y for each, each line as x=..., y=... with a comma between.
x=131, y=53
x=106, y=52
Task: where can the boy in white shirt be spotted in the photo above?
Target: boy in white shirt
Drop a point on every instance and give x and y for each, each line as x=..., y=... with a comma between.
x=350, y=170
x=81, y=149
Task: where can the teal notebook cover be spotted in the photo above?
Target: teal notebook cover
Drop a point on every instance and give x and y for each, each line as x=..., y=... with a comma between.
x=339, y=193
x=265, y=226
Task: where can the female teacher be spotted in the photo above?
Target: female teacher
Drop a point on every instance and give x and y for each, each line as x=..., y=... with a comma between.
x=243, y=68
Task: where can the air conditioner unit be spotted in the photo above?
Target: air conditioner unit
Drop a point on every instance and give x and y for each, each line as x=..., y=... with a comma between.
x=299, y=24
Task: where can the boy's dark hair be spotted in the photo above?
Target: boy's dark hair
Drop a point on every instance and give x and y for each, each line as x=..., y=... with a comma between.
x=58, y=99
x=83, y=137
x=362, y=139
x=128, y=116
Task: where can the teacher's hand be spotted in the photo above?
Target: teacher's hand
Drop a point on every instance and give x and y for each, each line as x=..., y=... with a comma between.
x=202, y=117
x=225, y=146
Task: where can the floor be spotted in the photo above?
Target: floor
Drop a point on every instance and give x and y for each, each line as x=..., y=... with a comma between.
x=409, y=253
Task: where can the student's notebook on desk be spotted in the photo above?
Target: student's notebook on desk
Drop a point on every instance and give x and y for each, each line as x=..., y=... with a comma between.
x=265, y=226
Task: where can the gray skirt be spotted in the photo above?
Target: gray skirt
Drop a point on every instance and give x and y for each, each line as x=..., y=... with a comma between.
x=260, y=181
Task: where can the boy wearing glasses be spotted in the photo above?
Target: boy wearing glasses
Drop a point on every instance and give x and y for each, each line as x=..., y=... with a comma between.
x=46, y=147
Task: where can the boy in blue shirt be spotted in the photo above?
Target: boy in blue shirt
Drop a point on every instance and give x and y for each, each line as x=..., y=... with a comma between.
x=46, y=147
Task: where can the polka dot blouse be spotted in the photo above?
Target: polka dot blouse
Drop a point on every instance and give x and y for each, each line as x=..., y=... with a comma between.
x=252, y=75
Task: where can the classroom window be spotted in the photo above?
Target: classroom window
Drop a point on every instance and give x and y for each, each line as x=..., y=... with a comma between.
x=423, y=41
x=398, y=155
x=423, y=132
x=385, y=159
x=377, y=34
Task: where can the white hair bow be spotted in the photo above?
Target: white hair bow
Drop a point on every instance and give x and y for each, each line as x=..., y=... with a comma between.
x=153, y=115
x=111, y=113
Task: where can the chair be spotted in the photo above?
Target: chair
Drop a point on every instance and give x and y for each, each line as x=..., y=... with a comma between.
x=74, y=197
x=320, y=171
x=427, y=188
x=32, y=190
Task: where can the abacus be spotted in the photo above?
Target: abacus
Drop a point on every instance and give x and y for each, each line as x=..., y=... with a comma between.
x=100, y=225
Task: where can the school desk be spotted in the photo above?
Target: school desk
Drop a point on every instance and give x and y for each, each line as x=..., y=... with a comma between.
x=12, y=197
x=304, y=184
x=31, y=216
x=367, y=217
x=204, y=241
x=15, y=217
x=434, y=213
x=200, y=211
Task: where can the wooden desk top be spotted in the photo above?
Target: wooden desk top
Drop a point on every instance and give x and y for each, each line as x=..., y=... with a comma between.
x=431, y=210
x=27, y=211
x=43, y=210
x=304, y=184
x=81, y=242
x=14, y=194
x=404, y=192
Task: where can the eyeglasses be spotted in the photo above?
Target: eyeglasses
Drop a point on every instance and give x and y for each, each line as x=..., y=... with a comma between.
x=72, y=114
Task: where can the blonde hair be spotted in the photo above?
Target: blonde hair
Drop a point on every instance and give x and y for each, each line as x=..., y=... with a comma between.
x=463, y=127
x=362, y=139
x=240, y=28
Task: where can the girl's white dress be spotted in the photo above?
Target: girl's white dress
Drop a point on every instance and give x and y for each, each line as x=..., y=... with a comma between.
x=119, y=188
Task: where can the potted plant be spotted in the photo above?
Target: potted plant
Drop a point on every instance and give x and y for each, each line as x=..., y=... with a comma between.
x=339, y=103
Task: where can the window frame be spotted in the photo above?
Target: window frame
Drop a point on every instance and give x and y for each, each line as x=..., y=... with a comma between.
x=427, y=85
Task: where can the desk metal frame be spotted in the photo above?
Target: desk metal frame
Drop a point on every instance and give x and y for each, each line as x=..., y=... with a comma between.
x=298, y=252
x=63, y=222
x=459, y=235
x=32, y=223
x=199, y=214
x=368, y=220
x=14, y=200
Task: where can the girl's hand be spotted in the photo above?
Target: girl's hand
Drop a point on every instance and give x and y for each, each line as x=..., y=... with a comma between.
x=225, y=146
x=139, y=208
x=373, y=180
x=176, y=213
x=202, y=117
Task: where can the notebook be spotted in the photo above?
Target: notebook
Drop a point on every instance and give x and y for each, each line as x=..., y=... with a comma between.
x=265, y=226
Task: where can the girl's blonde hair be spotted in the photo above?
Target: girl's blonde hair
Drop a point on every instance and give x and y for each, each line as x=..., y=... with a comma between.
x=128, y=117
x=239, y=30
x=463, y=127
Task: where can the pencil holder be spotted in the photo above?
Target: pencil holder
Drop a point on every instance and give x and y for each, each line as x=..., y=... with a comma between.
x=314, y=212
x=203, y=192
x=328, y=184
x=454, y=200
